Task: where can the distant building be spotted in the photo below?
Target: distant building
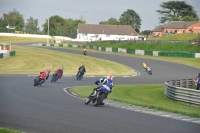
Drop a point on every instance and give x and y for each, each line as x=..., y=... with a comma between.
x=158, y=31
x=97, y=32
x=175, y=27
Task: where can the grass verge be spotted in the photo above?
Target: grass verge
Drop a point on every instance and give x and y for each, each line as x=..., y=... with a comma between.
x=29, y=60
x=14, y=39
x=185, y=36
x=150, y=96
x=5, y=130
x=176, y=47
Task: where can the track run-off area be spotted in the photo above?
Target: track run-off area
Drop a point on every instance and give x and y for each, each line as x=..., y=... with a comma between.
x=51, y=108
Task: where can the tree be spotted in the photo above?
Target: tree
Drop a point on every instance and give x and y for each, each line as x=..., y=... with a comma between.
x=111, y=21
x=13, y=18
x=61, y=27
x=130, y=17
x=176, y=11
x=146, y=32
x=32, y=25
x=56, y=25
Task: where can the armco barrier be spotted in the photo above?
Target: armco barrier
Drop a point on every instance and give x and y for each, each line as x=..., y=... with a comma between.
x=115, y=50
x=103, y=48
x=60, y=45
x=148, y=52
x=177, y=54
x=6, y=54
x=179, y=90
x=12, y=53
x=131, y=51
x=108, y=49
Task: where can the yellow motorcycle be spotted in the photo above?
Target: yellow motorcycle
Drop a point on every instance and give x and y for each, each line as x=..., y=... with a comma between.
x=84, y=52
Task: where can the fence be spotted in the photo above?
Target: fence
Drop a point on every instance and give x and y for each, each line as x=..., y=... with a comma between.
x=180, y=90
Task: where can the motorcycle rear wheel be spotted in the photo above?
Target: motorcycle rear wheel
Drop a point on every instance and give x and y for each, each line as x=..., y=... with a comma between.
x=100, y=99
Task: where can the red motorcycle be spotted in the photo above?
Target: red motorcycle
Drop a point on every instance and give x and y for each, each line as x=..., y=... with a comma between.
x=57, y=75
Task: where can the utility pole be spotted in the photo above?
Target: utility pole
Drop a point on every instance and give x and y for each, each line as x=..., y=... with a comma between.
x=48, y=26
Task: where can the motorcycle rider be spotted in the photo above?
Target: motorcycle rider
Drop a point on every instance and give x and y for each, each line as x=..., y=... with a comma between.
x=144, y=66
x=43, y=75
x=60, y=71
x=82, y=70
x=48, y=72
x=84, y=51
x=107, y=82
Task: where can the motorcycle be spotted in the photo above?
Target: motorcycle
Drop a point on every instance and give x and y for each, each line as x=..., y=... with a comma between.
x=38, y=81
x=149, y=70
x=79, y=76
x=100, y=95
x=55, y=76
x=84, y=52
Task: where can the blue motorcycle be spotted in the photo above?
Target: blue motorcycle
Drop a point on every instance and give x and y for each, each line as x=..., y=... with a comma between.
x=100, y=95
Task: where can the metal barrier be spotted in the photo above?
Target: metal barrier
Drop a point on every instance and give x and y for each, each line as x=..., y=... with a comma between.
x=181, y=90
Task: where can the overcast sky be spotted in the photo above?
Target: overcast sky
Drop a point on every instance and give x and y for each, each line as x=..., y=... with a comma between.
x=92, y=11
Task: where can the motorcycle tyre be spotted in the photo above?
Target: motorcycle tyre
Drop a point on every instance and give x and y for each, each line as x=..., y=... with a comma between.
x=87, y=101
x=100, y=99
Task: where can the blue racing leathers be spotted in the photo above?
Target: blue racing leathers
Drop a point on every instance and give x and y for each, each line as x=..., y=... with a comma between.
x=107, y=84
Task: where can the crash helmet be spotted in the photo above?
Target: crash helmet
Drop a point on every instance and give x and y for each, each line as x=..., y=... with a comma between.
x=110, y=77
x=48, y=70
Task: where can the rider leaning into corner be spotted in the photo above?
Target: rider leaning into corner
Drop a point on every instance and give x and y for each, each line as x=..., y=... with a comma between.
x=144, y=66
x=84, y=51
x=60, y=71
x=107, y=83
x=44, y=75
x=82, y=69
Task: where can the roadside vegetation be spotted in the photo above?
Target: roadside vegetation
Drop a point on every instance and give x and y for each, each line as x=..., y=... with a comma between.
x=4, y=130
x=172, y=47
x=184, y=36
x=151, y=96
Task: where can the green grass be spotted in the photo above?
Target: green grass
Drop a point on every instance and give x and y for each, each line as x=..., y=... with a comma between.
x=13, y=39
x=29, y=60
x=150, y=96
x=185, y=36
x=178, y=47
x=5, y=130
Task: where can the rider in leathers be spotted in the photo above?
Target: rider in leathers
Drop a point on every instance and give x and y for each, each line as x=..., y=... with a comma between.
x=107, y=83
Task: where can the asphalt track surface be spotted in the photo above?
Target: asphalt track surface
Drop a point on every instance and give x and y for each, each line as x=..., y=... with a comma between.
x=49, y=109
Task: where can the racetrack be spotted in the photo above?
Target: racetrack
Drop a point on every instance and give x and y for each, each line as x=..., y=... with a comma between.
x=50, y=109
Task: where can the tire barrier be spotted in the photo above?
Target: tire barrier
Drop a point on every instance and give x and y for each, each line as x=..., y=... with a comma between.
x=181, y=90
x=130, y=51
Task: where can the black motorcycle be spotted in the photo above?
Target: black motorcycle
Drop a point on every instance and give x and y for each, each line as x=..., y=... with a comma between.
x=79, y=76
x=149, y=70
x=98, y=98
x=38, y=81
